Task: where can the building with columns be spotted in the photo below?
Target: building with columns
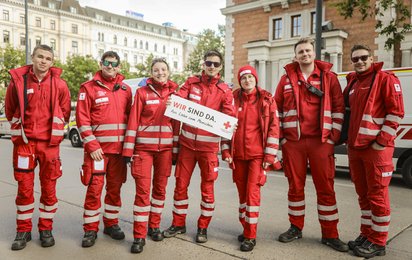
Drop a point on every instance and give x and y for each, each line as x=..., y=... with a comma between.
x=72, y=29
x=262, y=33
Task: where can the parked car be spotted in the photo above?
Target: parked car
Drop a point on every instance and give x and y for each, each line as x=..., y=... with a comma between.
x=4, y=124
x=74, y=134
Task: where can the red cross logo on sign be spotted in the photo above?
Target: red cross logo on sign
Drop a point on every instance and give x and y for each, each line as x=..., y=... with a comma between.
x=227, y=125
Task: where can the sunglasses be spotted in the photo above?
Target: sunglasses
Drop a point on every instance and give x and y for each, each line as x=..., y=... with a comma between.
x=209, y=63
x=357, y=58
x=113, y=63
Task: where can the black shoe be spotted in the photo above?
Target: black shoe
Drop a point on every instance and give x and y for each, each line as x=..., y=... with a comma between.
x=114, y=232
x=89, y=238
x=357, y=242
x=336, y=244
x=21, y=240
x=138, y=245
x=46, y=238
x=293, y=233
x=369, y=249
x=173, y=231
x=201, y=236
x=247, y=245
x=155, y=234
x=240, y=238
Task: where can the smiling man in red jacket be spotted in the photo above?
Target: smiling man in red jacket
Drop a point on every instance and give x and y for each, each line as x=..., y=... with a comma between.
x=37, y=106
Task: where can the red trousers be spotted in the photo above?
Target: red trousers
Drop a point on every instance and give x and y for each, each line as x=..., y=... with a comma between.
x=25, y=160
x=116, y=171
x=371, y=172
x=322, y=167
x=146, y=210
x=249, y=177
x=186, y=162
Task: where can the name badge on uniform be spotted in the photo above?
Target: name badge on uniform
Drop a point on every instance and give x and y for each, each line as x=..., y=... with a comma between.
x=30, y=91
x=98, y=165
x=152, y=102
x=102, y=100
x=195, y=97
x=23, y=162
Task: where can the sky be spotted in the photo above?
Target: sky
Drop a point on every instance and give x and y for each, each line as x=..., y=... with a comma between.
x=194, y=15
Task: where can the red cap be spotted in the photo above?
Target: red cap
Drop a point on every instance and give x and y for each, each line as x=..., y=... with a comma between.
x=247, y=70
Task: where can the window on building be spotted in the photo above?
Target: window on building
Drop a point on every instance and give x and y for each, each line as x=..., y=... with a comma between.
x=37, y=2
x=22, y=20
x=6, y=15
x=38, y=22
x=102, y=37
x=38, y=40
x=22, y=39
x=100, y=53
x=99, y=17
x=125, y=41
x=135, y=44
x=73, y=10
x=53, y=44
x=52, y=25
x=313, y=22
x=175, y=65
x=147, y=46
x=114, y=39
x=75, y=47
x=141, y=44
x=296, y=25
x=277, y=28
x=125, y=57
x=6, y=36
x=75, y=29
x=164, y=48
x=155, y=47
x=135, y=59
x=52, y=5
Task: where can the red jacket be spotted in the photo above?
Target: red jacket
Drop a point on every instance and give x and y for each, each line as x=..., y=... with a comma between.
x=101, y=115
x=332, y=106
x=148, y=128
x=46, y=110
x=214, y=94
x=257, y=134
x=377, y=118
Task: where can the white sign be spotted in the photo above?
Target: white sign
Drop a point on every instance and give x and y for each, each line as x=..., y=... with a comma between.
x=200, y=116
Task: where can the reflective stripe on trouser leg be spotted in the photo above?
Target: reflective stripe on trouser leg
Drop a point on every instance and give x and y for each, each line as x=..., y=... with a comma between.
x=184, y=169
x=25, y=201
x=322, y=166
x=115, y=176
x=92, y=203
x=162, y=170
x=208, y=164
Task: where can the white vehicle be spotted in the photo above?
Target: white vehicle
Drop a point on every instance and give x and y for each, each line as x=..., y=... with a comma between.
x=402, y=157
x=74, y=134
x=4, y=124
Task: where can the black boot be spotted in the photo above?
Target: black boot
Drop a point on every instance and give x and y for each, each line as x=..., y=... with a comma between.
x=138, y=245
x=89, y=238
x=46, y=238
x=114, y=232
x=369, y=249
x=155, y=234
x=21, y=240
x=291, y=234
x=173, y=231
x=240, y=238
x=357, y=242
x=336, y=244
x=201, y=236
x=247, y=245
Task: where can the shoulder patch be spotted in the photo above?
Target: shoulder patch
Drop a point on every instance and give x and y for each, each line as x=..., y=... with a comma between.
x=397, y=87
x=82, y=96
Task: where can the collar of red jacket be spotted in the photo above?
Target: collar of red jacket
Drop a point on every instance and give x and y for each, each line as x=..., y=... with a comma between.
x=160, y=85
x=108, y=82
x=209, y=80
x=321, y=65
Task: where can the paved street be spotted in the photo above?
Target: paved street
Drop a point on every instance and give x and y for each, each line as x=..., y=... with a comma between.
x=222, y=232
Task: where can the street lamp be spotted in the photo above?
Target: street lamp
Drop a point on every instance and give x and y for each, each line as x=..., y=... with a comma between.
x=27, y=31
x=318, y=45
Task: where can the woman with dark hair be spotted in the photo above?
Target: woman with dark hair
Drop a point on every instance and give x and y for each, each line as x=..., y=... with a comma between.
x=255, y=145
x=149, y=142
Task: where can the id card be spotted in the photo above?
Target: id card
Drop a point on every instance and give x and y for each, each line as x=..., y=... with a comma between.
x=23, y=162
x=98, y=165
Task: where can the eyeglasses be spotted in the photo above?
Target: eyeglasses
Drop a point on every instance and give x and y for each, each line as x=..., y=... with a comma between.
x=357, y=58
x=113, y=63
x=209, y=63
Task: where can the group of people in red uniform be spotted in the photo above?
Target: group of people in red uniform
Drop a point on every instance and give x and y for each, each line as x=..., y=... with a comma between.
x=304, y=117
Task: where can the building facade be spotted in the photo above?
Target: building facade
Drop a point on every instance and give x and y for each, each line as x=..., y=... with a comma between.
x=72, y=29
x=262, y=33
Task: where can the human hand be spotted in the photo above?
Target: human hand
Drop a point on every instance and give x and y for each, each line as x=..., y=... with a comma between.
x=265, y=165
x=97, y=155
x=229, y=160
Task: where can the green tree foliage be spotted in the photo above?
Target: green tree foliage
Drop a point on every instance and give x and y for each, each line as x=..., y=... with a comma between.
x=394, y=30
x=208, y=40
x=125, y=70
x=77, y=70
x=143, y=69
x=10, y=58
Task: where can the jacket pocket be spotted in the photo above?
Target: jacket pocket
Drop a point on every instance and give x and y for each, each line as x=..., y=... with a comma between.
x=55, y=169
x=213, y=170
x=384, y=175
x=137, y=167
x=23, y=158
x=262, y=178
